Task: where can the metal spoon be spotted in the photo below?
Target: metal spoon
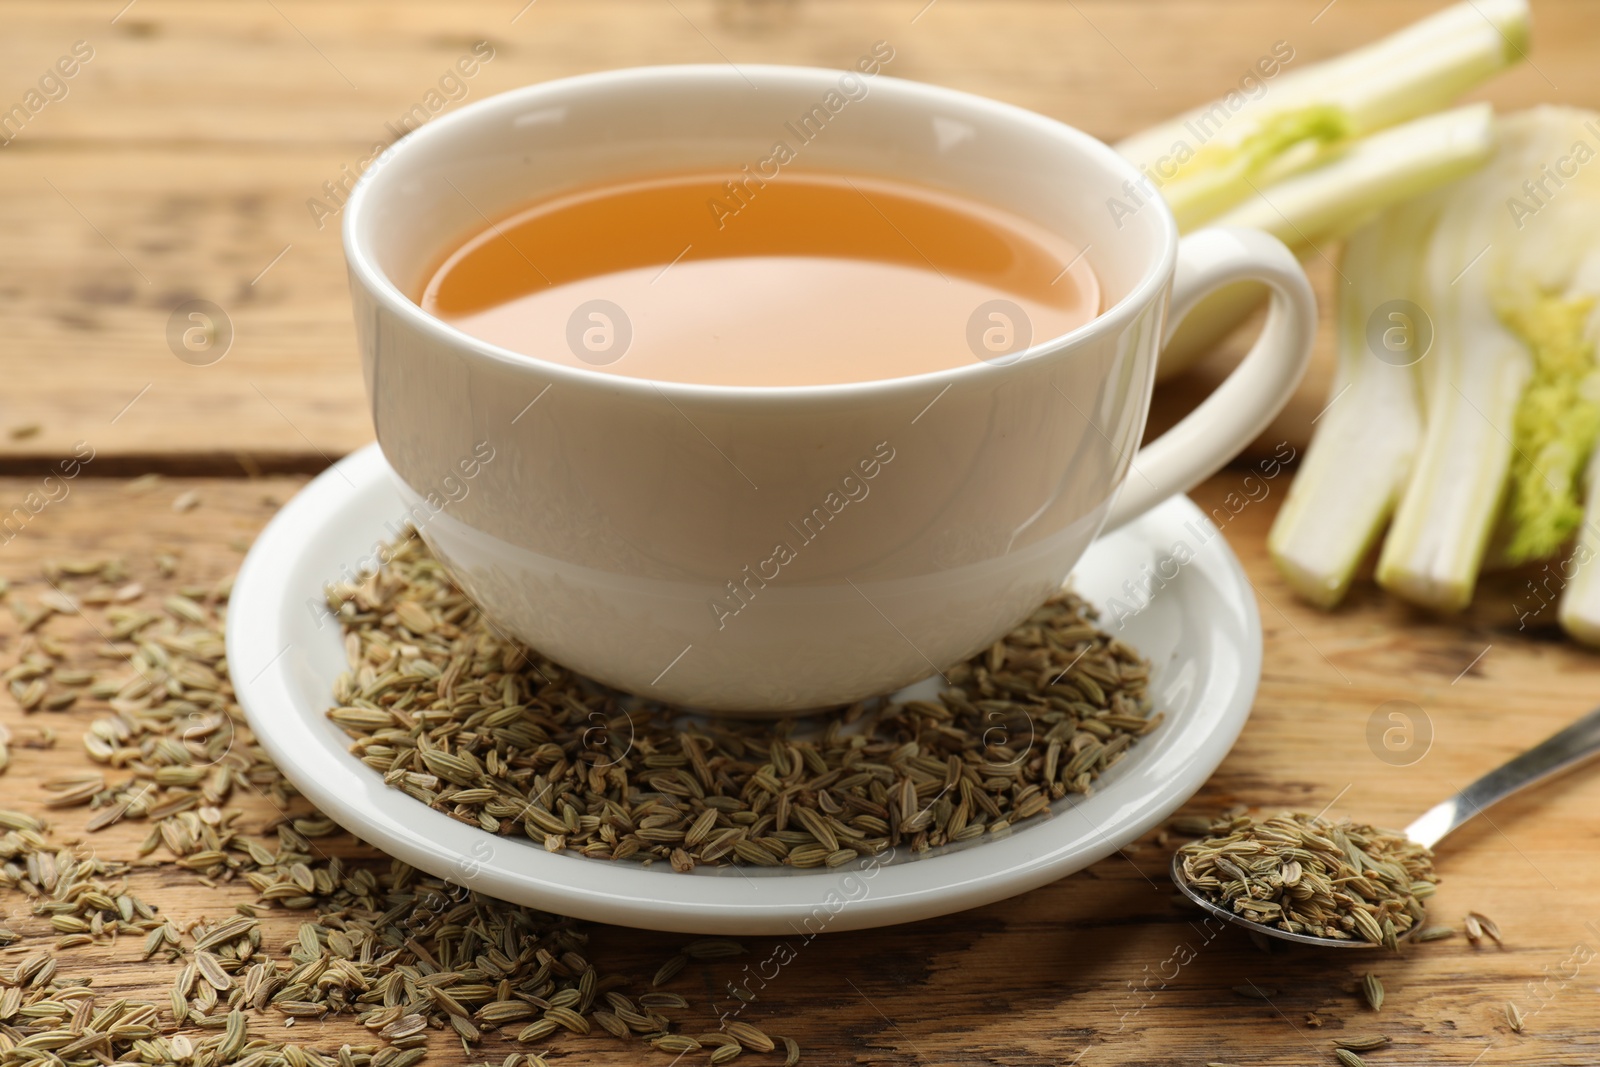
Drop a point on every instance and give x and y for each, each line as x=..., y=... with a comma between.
x=1560, y=752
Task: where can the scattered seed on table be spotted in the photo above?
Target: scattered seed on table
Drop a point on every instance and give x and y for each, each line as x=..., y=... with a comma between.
x=669, y=970
x=1372, y=990
x=378, y=941
x=750, y=1036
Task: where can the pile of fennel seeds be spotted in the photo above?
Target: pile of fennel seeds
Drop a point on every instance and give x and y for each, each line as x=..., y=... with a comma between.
x=1309, y=875
x=409, y=959
x=471, y=724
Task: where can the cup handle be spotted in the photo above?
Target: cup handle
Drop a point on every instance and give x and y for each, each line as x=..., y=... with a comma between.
x=1249, y=398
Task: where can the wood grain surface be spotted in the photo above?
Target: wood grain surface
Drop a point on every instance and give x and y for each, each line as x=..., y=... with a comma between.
x=1100, y=968
x=178, y=166
x=181, y=160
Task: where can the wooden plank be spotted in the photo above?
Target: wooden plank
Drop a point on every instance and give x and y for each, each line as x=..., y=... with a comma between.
x=1099, y=968
x=179, y=163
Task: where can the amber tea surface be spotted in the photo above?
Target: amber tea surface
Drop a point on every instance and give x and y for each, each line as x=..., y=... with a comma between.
x=805, y=279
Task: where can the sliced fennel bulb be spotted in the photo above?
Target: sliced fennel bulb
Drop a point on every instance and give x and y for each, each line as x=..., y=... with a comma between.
x=1302, y=155
x=1375, y=171
x=1219, y=155
x=1579, y=610
x=1418, y=69
x=1220, y=177
x=1510, y=417
x=1366, y=438
x=1556, y=423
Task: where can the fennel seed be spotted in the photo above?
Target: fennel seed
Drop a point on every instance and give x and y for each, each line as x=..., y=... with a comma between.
x=749, y=1036
x=1372, y=991
x=1309, y=875
x=459, y=718
x=405, y=954
x=1479, y=924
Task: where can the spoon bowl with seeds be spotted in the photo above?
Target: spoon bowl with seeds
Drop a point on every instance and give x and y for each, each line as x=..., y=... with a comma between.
x=1342, y=884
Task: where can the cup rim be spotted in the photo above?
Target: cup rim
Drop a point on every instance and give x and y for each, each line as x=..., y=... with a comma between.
x=383, y=289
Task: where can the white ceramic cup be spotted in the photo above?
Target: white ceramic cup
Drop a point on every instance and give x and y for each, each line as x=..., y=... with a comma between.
x=762, y=550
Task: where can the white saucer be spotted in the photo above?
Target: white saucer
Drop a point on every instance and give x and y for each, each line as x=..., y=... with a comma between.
x=1199, y=629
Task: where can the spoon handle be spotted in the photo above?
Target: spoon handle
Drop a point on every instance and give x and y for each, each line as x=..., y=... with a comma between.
x=1557, y=753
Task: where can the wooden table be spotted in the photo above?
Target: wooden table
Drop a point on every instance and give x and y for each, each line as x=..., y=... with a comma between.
x=179, y=166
